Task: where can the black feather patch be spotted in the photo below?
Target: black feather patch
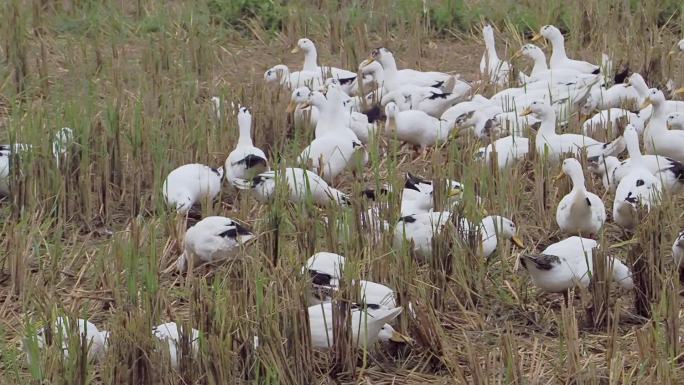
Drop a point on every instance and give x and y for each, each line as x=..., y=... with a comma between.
x=356, y=144
x=588, y=201
x=344, y=81
x=541, y=261
x=345, y=201
x=235, y=231
x=596, y=71
x=593, y=159
x=319, y=278
x=375, y=113
x=677, y=168
x=359, y=306
x=215, y=171
x=438, y=84
x=407, y=219
x=621, y=75
x=640, y=182
x=630, y=198
x=251, y=160
x=370, y=194
x=436, y=96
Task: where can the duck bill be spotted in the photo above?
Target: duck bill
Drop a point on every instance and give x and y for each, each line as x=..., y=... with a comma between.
x=516, y=55
x=558, y=177
x=537, y=37
x=455, y=192
x=368, y=61
x=295, y=49
x=645, y=104
x=400, y=338
x=517, y=241
x=526, y=111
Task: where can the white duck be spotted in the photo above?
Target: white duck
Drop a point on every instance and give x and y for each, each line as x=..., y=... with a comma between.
x=430, y=100
x=492, y=229
x=325, y=270
x=675, y=121
x=302, y=185
x=541, y=75
x=191, y=184
x=559, y=59
x=603, y=120
x=366, y=325
x=638, y=187
x=418, y=230
x=508, y=150
x=658, y=139
x=612, y=170
x=311, y=63
x=394, y=79
x=569, y=263
x=617, y=96
x=280, y=74
x=548, y=140
x=304, y=113
x=170, y=334
x=491, y=67
x=61, y=332
x=580, y=211
x=336, y=146
x=211, y=239
x=416, y=127
x=245, y=161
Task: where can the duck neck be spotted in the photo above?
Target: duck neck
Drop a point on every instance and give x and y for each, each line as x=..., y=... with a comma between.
x=491, y=49
x=245, y=138
x=311, y=60
x=539, y=64
x=558, y=45
x=548, y=124
x=577, y=178
x=633, y=149
x=389, y=68
x=639, y=85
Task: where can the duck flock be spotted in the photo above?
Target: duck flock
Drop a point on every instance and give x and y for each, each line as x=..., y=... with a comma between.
x=350, y=110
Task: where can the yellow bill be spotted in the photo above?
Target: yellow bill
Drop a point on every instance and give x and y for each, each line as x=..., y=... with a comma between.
x=517, y=54
x=400, y=338
x=537, y=37
x=526, y=111
x=517, y=241
x=455, y=192
x=559, y=176
x=646, y=103
x=295, y=49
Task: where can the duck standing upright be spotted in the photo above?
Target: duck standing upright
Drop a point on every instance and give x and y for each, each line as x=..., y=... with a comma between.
x=245, y=161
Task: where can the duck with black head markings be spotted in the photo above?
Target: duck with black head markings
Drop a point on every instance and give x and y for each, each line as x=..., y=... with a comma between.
x=246, y=160
x=212, y=239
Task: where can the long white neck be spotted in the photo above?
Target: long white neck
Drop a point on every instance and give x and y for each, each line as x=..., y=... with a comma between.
x=539, y=63
x=639, y=85
x=558, y=44
x=245, y=138
x=633, y=148
x=311, y=60
x=548, y=124
x=389, y=68
x=491, y=48
x=577, y=178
